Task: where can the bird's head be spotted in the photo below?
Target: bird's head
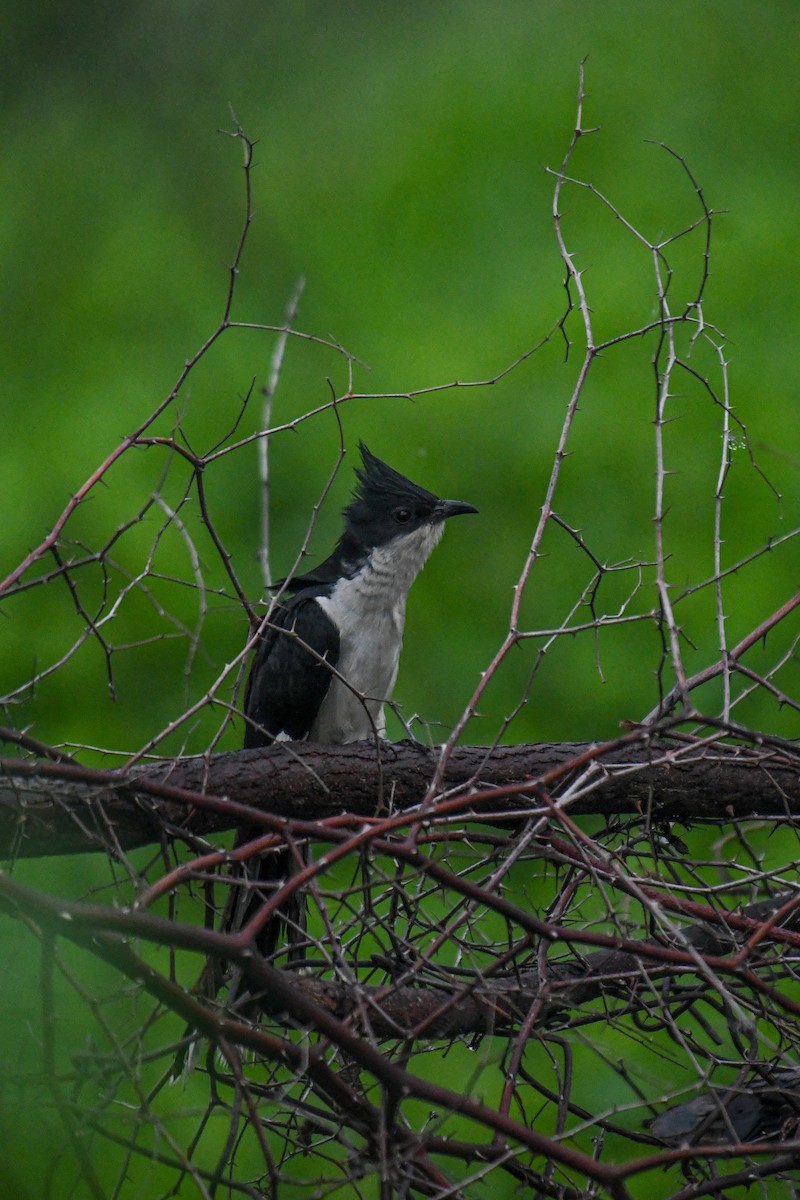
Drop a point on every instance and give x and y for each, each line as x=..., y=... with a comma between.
x=388, y=516
x=386, y=505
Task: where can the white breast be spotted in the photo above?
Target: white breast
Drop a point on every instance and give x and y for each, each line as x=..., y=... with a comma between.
x=369, y=612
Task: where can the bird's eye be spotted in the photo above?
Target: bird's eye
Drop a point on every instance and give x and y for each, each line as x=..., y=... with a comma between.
x=402, y=515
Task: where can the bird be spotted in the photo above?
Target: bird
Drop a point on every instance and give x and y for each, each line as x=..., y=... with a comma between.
x=326, y=661
x=765, y=1105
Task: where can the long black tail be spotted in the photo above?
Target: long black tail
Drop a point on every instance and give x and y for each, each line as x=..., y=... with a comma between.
x=259, y=879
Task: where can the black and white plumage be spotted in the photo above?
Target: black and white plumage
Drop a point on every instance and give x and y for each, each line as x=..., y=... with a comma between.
x=327, y=662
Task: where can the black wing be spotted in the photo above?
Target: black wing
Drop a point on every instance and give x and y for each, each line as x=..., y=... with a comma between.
x=288, y=681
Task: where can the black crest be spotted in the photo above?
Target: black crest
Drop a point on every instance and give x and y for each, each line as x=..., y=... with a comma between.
x=385, y=506
x=381, y=491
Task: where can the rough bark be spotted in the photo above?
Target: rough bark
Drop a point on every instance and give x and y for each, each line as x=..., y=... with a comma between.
x=500, y=1003
x=51, y=808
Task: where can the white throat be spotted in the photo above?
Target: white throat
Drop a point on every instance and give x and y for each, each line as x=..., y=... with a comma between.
x=369, y=612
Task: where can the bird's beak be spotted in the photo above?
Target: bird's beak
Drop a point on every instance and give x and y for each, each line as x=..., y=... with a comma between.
x=451, y=508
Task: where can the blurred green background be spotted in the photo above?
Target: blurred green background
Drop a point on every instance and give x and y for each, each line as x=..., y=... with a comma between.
x=400, y=169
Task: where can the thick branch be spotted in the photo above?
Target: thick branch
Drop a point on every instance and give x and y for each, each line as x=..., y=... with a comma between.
x=61, y=808
x=499, y=1004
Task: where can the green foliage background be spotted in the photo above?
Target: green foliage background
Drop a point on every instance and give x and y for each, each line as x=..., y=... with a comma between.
x=401, y=170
